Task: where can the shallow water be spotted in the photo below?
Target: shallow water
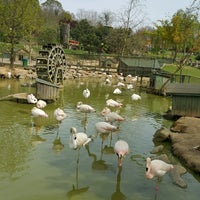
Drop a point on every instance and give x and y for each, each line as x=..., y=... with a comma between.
x=36, y=162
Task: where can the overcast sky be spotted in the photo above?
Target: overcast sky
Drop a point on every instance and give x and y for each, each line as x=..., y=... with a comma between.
x=153, y=9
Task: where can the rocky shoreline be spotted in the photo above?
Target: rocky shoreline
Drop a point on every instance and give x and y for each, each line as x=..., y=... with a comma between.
x=184, y=136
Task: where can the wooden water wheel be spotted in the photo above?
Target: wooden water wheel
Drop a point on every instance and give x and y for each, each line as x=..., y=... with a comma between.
x=51, y=64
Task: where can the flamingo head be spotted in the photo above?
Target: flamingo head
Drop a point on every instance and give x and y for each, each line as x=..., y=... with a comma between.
x=148, y=173
x=73, y=139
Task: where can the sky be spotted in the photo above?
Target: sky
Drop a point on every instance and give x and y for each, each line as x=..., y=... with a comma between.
x=153, y=9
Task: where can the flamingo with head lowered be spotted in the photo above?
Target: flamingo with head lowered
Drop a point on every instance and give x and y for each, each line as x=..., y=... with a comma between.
x=85, y=108
x=111, y=116
x=113, y=103
x=121, y=149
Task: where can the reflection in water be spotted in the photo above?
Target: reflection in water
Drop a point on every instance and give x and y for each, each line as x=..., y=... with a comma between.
x=35, y=138
x=118, y=195
x=84, y=122
x=101, y=164
x=75, y=187
x=57, y=144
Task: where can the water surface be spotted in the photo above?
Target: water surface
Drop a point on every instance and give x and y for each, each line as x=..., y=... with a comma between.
x=36, y=162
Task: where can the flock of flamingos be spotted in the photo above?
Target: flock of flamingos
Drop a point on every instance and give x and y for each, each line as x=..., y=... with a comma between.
x=154, y=168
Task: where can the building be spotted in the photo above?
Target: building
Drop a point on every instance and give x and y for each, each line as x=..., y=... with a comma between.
x=185, y=99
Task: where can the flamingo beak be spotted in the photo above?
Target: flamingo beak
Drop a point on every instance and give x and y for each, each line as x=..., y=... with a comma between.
x=120, y=157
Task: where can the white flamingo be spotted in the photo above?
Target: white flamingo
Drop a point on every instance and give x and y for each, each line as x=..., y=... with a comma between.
x=156, y=168
x=136, y=97
x=31, y=99
x=77, y=140
x=113, y=103
x=41, y=103
x=9, y=74
x=85, y=108
x=121, y=149
x=86, y=93
x=37, y=112
x=117, y=91
x=105, y=127
x=111, y=116
x=59, y=114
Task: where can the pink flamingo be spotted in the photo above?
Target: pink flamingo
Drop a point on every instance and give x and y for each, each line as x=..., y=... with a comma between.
x=111, y=116
x=156, y=168
x=121, y=149
x=59, y=114
x=105, y=127
x=85, y=108
x=37, y=112
x=113, y=103
x=41, y=103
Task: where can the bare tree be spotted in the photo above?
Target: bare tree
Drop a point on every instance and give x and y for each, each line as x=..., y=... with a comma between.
x=107, y=18
x=130, y=18
x=90, y=15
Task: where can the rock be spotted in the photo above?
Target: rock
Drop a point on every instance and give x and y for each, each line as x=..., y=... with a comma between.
x=183, y=143
x=164, y=158
x=157, y=149
x=176, y=176
x=161, y=135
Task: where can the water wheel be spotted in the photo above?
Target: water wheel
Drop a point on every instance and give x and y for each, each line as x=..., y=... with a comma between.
x=51, y=64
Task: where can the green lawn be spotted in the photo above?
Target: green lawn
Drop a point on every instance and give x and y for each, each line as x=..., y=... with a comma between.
x=187, y=70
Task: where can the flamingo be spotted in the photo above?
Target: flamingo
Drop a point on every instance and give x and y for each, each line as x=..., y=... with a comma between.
x=59, y=114
x=135, y=97
x=120, y=84
x=86, y=93
x=41, y=104
x=31, y=98
x=85, y=108
x=121, y=149
x=156, y=168
x=113, y=103
x=77, y=140
x=37, y=112
x=105, y=127
x=117, y=91
x=9, y=74
x=111, y=116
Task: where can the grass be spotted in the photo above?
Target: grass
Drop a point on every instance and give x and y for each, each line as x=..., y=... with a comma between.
x=186, y=70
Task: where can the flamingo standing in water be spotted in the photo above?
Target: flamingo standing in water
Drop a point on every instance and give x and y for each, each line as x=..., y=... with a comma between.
x=37, y=112
x=113, y=103
x=157, y=168
x=59, y=114
x=85, y=108
x=77, y=140
x=121, y=149
x=136, y=97
x=105, y=127
x=111, y=116
x=86, y=93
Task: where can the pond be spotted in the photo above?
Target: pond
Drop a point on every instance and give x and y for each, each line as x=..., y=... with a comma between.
x=37, y=163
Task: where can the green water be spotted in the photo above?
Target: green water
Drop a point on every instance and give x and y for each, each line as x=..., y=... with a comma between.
x=31, y=168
